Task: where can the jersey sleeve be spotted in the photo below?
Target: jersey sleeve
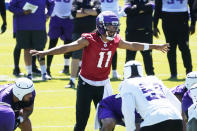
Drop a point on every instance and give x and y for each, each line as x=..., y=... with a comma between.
x=186, y=102
x=128, y=110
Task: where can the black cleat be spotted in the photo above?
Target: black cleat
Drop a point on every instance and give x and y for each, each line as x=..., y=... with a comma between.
x=29, y=76
x=36, y=71
x=173, y=77
x=45, y=77
x=70, y=85
x=65, y=70
x=17, y=72
x=48, y=72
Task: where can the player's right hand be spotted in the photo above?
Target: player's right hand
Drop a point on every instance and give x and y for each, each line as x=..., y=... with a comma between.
x=27, y=12
x=37, y=53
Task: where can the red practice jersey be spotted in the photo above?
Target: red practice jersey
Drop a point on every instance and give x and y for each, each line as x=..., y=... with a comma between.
x=97, y=57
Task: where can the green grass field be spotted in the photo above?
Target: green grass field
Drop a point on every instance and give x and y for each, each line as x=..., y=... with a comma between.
x=54, y=108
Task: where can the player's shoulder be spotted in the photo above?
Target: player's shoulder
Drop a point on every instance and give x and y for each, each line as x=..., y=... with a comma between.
x=89, y=35
x=117, y=38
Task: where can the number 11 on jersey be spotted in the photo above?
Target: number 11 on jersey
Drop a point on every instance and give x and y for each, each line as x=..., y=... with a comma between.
x=102, y=54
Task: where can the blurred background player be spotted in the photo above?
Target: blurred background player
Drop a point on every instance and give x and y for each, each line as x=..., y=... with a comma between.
x=3, y=16
x=20, y=96
x=175, y=16
x=34, y=36
x=139, y=29
x=112, y=5
x=84, y=13
x=158, y=107
x=17, y=53
x=61, y=26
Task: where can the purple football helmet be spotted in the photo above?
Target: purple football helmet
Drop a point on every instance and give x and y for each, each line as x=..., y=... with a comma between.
x=105, y=19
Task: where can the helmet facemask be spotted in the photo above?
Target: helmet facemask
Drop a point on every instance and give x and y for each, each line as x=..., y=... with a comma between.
x=111, y=30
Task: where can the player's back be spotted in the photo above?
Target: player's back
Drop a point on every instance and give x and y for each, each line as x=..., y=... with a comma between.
x=151, y=99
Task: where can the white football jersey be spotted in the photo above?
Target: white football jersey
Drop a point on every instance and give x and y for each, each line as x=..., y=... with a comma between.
x=110, y=5
x=175, y=5
x=152, y=100
x=62, y=8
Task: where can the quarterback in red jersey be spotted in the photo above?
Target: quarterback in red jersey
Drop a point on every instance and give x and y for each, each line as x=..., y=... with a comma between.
x=98, y=47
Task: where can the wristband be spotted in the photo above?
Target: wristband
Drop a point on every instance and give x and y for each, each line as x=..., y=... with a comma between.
x=146, y=46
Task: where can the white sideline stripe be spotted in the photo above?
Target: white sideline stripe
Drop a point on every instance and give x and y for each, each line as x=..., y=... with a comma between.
x=70, y=126
x=63, y=107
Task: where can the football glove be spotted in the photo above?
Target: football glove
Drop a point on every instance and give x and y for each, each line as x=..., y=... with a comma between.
x=18, y=121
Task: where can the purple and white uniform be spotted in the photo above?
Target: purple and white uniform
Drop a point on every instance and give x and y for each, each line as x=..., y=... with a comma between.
x=151, y=99
x=61, y=24
x=110, y=107
x=7, y=117
x=179, y=90
x=6, y=95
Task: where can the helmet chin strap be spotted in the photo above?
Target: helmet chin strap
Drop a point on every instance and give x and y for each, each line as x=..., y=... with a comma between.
x=110, y=38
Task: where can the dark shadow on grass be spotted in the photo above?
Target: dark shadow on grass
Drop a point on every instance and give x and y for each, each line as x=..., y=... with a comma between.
x=115, y=79
x=174, y=79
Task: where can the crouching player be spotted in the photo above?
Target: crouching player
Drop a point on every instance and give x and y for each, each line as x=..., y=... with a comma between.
x=158, y=107
x=110, y=114
x=189, y=106
x=20, y=96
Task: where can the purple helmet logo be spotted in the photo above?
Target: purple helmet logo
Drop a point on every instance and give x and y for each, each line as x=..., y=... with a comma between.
x=107, y=18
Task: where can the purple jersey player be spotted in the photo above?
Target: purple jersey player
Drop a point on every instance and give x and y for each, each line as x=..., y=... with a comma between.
x=110, y=113
x=180, y=90
x=61, y=26
x=20, y=96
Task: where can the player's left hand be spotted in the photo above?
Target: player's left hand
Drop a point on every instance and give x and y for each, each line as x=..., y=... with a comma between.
x=37, y=53
x=3, y=28
x=163, y=47
x=191, y=29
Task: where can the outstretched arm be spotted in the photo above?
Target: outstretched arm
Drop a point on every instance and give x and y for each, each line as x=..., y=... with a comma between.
x=134, y=46
x=76, y=45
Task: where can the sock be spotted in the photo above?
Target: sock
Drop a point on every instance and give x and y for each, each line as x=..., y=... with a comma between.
x=66, y=62
x=80, y=63
x=114, y=71
x=29, y=69
x=73, y=79
x=43, y=69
